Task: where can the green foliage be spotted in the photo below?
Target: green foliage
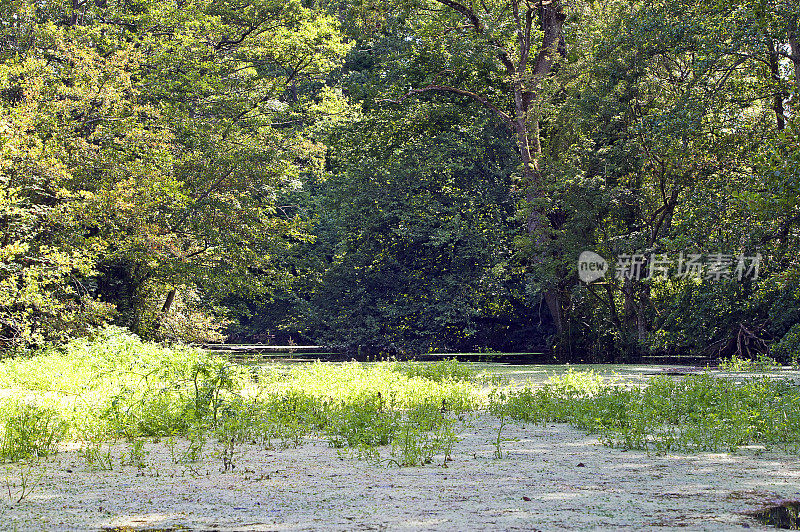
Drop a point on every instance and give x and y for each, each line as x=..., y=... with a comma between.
x=708, y=414
x=425, y=431
x=125, y=387
x=29, y=431
x=290, y=415
x=117, y=386
x=96, y=452
x=639, y=161
x=413, y=247
x=553, y=401
x=443, y=370
x=353, y=381
x=200, y=168
x=498, y=443
x=145, y=148
x=788, y=348
x=367, y=421
x=697, y=413
x=136, y=455
x=736, y=364
x=193, y=449
x=387, y=413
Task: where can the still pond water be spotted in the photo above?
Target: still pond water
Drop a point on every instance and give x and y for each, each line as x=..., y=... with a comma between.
x=630, y=374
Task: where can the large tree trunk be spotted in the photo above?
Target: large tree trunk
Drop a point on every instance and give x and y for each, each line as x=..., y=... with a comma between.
x=168, y=302
x=552, y=296
x=73, y=18
x=551, y=21
x=774, y=70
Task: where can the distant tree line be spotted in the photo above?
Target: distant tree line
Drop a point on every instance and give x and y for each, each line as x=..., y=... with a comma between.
x=402, y=175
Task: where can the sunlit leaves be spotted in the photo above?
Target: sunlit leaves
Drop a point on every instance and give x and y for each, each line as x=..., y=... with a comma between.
x=158, y=135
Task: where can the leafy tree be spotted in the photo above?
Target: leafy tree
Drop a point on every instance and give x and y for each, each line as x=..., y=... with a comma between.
x=177, y=125
x=415, y=243
x=500, y=56
x=679, y=100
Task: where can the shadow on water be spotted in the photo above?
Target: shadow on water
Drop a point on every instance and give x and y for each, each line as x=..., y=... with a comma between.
x=784, y=514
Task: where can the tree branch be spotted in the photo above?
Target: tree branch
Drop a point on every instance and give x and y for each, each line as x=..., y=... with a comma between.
x=552, y=21
x=480, y=29
x=467, y=12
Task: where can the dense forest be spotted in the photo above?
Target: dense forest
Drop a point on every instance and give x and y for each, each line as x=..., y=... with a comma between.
x=403, y=175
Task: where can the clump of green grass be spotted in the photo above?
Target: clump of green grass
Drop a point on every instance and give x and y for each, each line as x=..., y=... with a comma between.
x=114, y=385
x=552, y=401
x=109, y=356
x=374, y=431
x=169, y=397
x=697, y=413
x=29, y=431
x=290, y=415
x=761, y=363
x=424, y=432
x=365, y=407
x=350, y=381
x=367, y=421
x=448, y=369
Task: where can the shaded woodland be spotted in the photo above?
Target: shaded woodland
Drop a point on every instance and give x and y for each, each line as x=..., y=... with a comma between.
x=402, y=175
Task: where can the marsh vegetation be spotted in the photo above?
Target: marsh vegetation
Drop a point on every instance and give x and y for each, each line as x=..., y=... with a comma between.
x=115, y=388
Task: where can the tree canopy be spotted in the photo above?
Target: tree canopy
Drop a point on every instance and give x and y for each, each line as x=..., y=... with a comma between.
x=405, y=175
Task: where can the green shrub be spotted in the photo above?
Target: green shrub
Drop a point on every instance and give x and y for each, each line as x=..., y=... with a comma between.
x=171, y=397
x=109, y=358
x=29, y=432
x=416, y=434
x=553, y=401
x=448, y=369
x=425, y=431
x=788, y=348
x=116, y=386
x=349, y=381
x=697, y=413
x=736, y=364
x=290, y=415
x=365, y=421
